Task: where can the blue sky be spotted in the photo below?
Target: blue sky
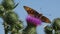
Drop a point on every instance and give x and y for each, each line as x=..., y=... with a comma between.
x=49, y=8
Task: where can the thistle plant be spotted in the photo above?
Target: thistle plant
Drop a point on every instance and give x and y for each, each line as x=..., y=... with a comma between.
x=54, y=26
x=33, y=19
x=32, y=23
x=11, y=23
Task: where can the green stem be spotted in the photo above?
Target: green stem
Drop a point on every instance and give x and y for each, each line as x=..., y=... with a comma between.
x=30, y=29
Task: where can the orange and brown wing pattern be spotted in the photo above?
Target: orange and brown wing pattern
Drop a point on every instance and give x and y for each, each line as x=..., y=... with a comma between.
x=45, y=19
x=36, y=14
x=30, y=10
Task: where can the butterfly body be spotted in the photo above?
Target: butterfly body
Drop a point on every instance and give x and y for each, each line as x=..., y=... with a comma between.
x=35, y=14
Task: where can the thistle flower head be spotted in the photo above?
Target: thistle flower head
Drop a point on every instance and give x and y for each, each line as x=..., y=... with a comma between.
x=33, y=20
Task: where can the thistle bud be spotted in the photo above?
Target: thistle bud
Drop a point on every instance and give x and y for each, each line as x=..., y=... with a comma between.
x=48, y=29
x=8, y=4
x=56, y=24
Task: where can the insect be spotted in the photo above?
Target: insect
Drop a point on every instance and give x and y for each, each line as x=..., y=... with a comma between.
x=36, y=14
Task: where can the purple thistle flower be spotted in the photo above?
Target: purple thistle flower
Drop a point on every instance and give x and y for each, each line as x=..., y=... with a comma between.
x=33, y=20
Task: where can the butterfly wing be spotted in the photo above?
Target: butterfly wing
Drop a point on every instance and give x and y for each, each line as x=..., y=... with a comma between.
x=45, y=19
x=31, y=11
x=36, y=14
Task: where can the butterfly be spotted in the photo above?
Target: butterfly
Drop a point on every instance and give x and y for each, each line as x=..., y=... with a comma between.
x=36, y=14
